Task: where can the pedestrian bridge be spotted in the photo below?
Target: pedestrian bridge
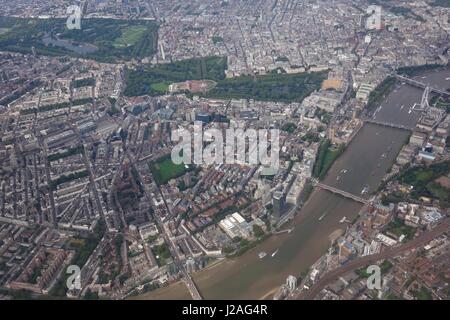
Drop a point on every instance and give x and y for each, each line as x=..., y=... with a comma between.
x=421, y=85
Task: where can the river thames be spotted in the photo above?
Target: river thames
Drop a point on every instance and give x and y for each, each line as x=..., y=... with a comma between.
x=366, y=160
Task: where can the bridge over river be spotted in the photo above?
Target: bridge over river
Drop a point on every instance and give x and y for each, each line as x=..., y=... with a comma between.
x=341, y=192
x=421, y=85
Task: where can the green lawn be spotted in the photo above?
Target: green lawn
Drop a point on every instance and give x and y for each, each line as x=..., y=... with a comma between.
x=330, y=156
x=270, y=87
x=162, y=254
x=130, y=36
x=381, y=91
x=398, y=228
x=422, y=179
x=325, y=158
x=165, y=170
x=160, y=87
x=424, y=175
x=108, y=40
x=441, y=193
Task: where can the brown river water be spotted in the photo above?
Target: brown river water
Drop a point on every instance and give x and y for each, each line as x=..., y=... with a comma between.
x=248, y=276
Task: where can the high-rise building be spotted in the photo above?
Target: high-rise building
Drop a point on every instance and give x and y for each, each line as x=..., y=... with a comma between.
x=190, y=265
x=291, y=283
x=278, y=203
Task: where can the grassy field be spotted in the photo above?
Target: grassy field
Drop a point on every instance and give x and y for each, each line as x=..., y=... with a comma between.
x=380, y=92
x=423, y=180
x=162, y=87
x=271, y=87
x=398, y=228
x=130, y=36
x=325, y=158
x=165, y=170
x=151, y=80
x=418, y=175
x=330, y=156
x=162, y=254
x=108, y=40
